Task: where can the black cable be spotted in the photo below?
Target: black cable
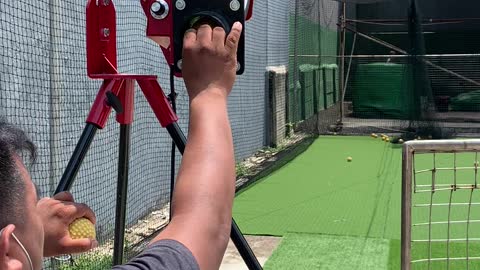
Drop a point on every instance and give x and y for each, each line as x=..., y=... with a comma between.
x=172, y=97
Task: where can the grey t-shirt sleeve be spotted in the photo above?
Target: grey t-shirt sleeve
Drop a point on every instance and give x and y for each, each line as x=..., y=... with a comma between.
x=163, y=255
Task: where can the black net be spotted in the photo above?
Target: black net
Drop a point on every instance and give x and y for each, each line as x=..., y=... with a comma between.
x=313, y=69
x=354, y=67
x=45, y=90
x=410, y=70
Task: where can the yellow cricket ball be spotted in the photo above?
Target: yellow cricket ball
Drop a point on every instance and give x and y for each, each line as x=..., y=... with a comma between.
x=374, y=135
x=349, y=159
x=387, y=139
x=400, y=141
x=82, y=228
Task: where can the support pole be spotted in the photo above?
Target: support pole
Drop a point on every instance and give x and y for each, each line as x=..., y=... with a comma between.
x=342, y=58
x=77, y=158
x=125, y=118
x=122, y=187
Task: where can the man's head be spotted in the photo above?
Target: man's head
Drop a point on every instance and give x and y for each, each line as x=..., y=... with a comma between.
x=18, y=200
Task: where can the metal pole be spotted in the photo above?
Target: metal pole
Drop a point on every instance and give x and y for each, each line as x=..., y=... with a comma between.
x=122, y=187
x=342, y=57
x=243, y=248
x=177, y=136
x=173, y=149
x=295, y=61
x=407, y=166
x=77, y=158
x=55, y=71
x=347, y=77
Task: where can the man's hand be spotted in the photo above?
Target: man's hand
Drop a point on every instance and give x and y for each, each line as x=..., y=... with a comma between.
x=210, y=60
x=57, y=214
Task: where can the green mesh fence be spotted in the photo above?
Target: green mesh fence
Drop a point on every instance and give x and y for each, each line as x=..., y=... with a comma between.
x=313, y=65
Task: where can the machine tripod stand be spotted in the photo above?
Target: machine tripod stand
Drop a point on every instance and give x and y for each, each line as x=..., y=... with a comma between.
x=117, y=92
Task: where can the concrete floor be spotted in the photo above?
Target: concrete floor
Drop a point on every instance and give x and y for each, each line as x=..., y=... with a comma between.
x=262, y=246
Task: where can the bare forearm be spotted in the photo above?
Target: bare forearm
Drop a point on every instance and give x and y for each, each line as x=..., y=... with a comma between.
x=206, y=180
x=203, y=196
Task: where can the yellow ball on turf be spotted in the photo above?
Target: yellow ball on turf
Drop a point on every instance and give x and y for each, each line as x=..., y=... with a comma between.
x=349, y=159
x=387, y=139
x=82, y=228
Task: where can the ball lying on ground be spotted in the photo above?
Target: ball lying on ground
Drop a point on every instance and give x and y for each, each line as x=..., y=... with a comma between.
x=82, y=228
x=349, y=159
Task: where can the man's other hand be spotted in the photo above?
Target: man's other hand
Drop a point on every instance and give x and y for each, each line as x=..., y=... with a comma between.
x=210, y=59
x=57, y=214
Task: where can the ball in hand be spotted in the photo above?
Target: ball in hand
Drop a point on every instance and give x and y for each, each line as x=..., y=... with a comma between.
x=82, y=228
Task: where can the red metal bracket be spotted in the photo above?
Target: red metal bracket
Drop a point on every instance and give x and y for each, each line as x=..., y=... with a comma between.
x=160, y=31
x=101, y=38
x=249, y=11
x=102, y=64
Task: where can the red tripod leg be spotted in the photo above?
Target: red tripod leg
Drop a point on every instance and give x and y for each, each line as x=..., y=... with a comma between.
x=96, y=120
x=158, y=101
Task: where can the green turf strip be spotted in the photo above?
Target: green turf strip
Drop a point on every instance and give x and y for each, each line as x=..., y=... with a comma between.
x=438, y=250
x=311, y=251
x=320, y=192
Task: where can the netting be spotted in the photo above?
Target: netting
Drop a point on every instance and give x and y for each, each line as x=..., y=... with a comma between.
x=313, y=65
x=412, y=72
x=354, y=67
x=440, y=203
x=407, y=72
x=44, y=90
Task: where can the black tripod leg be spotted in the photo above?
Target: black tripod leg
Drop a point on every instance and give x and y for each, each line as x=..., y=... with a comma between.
x=177, y=136
x=236, y=235
x=122, y=184
x=243, y=248
x=77, y=158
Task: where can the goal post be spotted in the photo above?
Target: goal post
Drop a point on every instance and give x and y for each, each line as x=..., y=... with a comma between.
x=451, y=169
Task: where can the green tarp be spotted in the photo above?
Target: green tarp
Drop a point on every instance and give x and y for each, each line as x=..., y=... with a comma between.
x=466, y=102
x=379, y=91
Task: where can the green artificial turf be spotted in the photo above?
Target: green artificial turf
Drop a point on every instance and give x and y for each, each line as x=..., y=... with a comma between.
x=438, y=250
x=313, y=251
x=319, y=192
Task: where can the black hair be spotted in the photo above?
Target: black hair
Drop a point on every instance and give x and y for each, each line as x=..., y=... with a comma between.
x=13, y=141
